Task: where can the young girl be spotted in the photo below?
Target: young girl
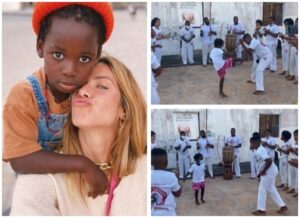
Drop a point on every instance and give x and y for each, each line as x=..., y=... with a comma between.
x=198, y=172
x=69, y=39
x=219, y=63
x=284, y=151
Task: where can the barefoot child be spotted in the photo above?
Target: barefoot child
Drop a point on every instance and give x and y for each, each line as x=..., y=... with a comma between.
x=164, y=185
x=198, y=172
x=219, y=63
x=69, y=38
x=267, y=172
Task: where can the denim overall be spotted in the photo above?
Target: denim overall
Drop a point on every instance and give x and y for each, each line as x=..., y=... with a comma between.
x=49, y=125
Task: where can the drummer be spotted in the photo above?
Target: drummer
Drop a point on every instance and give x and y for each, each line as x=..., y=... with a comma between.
x=235, y=141
x=238, y=29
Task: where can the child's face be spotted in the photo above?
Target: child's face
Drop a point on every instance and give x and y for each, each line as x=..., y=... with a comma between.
x=70, y=52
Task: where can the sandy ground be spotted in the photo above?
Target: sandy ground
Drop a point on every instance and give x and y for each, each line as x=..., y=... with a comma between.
x=200, y=85
x=20, y=60
x=235, y=197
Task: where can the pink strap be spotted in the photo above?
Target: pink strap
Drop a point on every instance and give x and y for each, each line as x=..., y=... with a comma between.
x=112, y=185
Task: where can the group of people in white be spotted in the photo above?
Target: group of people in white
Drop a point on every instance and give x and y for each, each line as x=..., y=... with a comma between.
x=261, y=45
x=263, y=167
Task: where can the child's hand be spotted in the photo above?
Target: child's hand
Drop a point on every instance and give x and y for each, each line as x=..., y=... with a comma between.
x=95, y=178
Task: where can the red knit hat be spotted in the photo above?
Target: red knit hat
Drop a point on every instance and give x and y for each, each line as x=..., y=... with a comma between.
x=104, y=9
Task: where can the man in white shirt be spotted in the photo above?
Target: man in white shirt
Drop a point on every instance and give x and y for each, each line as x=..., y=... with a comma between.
x=238, y=29
x=235, y=141
x=204, y=147
x=208, y=34
x=153, y=139
x=264, y=57
x=293, y=169
x=267, y=175
x=164, y=185
x=270, y=143
x=271, y=33
x=182, y=144
x=187, y=50
x=156, y=71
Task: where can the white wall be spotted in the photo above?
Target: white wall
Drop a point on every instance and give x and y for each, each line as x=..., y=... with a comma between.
x=221, y=14
x=219, y=122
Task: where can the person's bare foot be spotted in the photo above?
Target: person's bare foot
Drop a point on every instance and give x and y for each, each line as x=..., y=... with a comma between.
x=296, y=82
x=202, y=201
x=282, y=210
x=259, y=213
x=292, y=191
x=250, y=81
x=204, y=65
x=283, y=73
x=272, y=71
x=295, y=195
x=223, y=95
x=280, y=186
x=197, y=202
x=287, y=76
x=257, y=92
x=285, y=189
x=291, y=78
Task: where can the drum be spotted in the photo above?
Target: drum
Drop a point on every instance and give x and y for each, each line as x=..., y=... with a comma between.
x=230, y=43
x=228, y=159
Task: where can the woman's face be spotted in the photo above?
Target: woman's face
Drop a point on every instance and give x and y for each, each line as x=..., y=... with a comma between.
x=97, y=103
x=157, y=23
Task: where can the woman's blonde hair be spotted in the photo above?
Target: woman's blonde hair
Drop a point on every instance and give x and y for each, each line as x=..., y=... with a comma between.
x=130, y=143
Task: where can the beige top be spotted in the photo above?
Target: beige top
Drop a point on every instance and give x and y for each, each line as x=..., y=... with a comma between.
x=46, y=195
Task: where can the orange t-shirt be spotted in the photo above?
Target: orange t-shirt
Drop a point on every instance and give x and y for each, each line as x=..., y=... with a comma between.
x=20, y=117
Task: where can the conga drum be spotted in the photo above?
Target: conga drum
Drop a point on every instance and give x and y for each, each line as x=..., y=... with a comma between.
x=230, y=44
x=228, y=159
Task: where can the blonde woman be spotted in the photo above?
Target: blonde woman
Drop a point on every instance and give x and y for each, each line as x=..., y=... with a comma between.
x=108, y=125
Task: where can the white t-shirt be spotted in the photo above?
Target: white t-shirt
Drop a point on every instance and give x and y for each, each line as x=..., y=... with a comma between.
x=284, y=146
x=198, y=172
x=206, y=152
x=261, y=31
x=155, y=99
x=153, y=145
x=236, y=28
x=216, y=56
x=205, y=30
x=271, y=141
x=260, y=50
x=187, y=34
x=270, y=40
x=163, y=183
x=261, y=155
x=158, y=34
x=234, y=141
x=292, y=155
x=183, y=144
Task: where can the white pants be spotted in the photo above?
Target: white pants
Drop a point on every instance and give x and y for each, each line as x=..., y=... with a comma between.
x=187, y=52
x=253, y=165
x=283, y=170
x=208, y=162
x=166, y=212
x=238, y=48
x=236, y=165
x=272, y=64
x=285, y=56
x=253, y=73
x=259, y=71
x=293, y=61
x=267, y=186
x=184, y=165
x=293, y=182
x=206, y=48
x=157, y=53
